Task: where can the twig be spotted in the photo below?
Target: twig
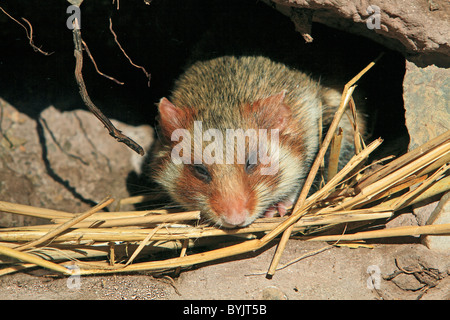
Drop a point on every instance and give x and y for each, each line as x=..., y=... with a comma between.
x=29, y=33
x=112, y=253
x=95, y=65
x=306, y=255
x=148, y=75
x=118, y=4
x=357, y=138
x=117, y=134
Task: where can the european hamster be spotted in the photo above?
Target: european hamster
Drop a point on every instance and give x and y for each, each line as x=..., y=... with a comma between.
x=216, y=108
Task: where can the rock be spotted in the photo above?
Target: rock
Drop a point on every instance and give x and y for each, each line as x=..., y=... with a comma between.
x=426, y=96
x=273, y=293
x=406, y=219
x=65, y=161
x=410, y=27
x=426, y=92
x=440, y=215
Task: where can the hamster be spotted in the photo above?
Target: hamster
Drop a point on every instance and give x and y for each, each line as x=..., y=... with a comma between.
x=215, y=109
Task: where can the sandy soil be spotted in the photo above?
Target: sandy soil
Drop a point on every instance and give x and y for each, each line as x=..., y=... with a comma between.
x=337, y=273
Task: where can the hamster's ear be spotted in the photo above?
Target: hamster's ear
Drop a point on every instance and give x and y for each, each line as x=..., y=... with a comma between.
x=272, y=112
x=171, y=117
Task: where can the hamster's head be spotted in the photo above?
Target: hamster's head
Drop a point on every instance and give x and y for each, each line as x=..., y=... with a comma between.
x=232, y=166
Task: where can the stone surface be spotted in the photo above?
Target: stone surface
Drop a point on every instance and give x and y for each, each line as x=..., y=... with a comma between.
x=407, y=282
x=440, y=215
x=426, y=96
x=65, y=161
x=273, y=293
x=427, y=112
x=415, y=28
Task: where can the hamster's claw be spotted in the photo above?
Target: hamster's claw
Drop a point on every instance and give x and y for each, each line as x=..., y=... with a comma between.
x=281, y=207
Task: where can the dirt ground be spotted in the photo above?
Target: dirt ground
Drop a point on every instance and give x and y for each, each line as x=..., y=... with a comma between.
x=337, y=273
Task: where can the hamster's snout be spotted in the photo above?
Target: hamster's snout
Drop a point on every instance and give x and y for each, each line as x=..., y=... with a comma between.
x=232, y=211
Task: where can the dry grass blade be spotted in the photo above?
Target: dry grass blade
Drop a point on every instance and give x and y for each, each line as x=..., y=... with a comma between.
x=405, y=199
x=370, y=191
x=33, y=211
x=33, y=259
x=406, y=158
x=143, y=244
x=133, y=221
x=335, y=151
x=65, y=226
x=438, y=187
x=440, y=229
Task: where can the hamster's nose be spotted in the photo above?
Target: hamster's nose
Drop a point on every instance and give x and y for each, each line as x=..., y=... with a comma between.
x=234, y=218
x=232, y=211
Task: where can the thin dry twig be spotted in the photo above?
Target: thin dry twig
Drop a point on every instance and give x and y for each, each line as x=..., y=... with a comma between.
x=133, y=221
x=304, y=256
x=147, y=74
x=29, y=33
x=95, y=65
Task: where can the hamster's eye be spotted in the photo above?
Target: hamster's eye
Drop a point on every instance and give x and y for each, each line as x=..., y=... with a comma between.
x=201, y=172
x=250, y=164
